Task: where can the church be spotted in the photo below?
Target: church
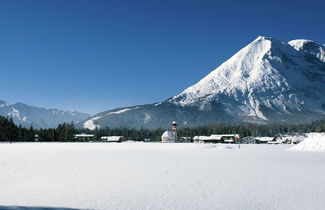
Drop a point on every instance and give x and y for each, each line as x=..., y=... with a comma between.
x=170, y=136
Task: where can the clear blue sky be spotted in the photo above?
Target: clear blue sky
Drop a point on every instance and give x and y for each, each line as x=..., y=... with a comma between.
x=96, y=55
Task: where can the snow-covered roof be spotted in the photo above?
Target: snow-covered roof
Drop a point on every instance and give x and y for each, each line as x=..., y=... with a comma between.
x=224, y=135
x=83, y=135
x=264, y=138
x=215, y=137
x=212, y=137
x=199, y=137
x=111, y=138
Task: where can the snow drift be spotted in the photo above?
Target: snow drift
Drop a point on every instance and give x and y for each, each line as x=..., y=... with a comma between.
x=313, y=142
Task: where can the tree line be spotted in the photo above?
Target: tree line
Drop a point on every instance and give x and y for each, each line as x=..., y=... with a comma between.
x=9, y=131
x=65, y=132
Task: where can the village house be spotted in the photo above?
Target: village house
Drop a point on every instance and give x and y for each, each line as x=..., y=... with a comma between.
x=265, y=140
x=219, y=138
x=291, y=139
x=112, y=138
x=199, y=139
x=84, y=137
x=259, y=140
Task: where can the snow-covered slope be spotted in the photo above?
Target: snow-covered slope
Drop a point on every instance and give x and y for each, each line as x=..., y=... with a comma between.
x=266, y=74
x=26, y=115
x=267, y=81
x=309, y=48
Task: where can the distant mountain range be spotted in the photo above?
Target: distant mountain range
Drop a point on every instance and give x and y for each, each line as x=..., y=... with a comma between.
x=268, y=81
x=25, y=115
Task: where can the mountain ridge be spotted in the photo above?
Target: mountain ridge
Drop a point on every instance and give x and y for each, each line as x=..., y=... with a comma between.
x=26, y=115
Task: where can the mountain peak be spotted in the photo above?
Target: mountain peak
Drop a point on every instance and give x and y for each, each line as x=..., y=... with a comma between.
x=309, y=49
x=264, y=66
x=300, y=43
x=267, y=81
x=246, y=70
x=264, y=38
x=267, y=38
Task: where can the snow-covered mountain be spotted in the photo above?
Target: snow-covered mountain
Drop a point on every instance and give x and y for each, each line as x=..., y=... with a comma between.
x=268, y=81
x=27, y=116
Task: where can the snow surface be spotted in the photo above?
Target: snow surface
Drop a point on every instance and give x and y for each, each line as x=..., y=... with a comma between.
x=313, y=142
x=160, y=176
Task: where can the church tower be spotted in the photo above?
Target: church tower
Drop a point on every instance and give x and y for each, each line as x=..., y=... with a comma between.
x=174, y=130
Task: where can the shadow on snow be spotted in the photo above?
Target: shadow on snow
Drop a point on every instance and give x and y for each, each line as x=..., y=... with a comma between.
x=34, y=208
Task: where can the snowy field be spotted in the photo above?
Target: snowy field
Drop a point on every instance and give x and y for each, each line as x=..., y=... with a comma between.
x=160, y=176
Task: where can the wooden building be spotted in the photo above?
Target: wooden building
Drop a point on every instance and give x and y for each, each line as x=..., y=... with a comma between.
x=219, y=138
x=84, y=137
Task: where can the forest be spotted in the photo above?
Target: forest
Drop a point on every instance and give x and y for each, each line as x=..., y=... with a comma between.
x=10, y=132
